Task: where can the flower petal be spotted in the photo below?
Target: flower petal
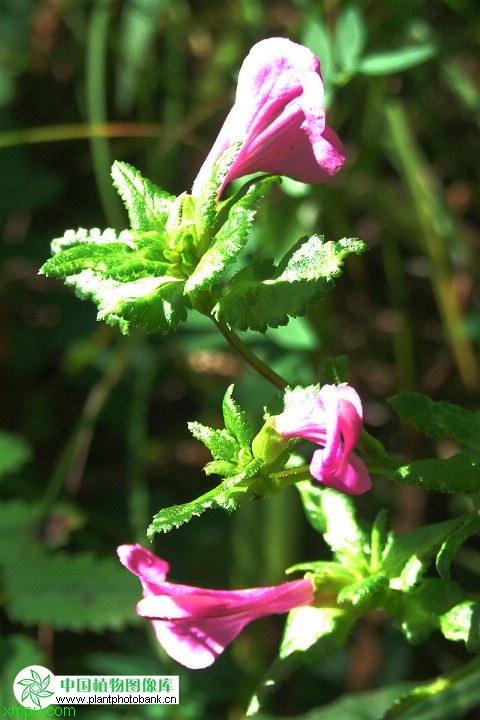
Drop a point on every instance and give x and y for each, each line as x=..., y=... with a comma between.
x=279, y=115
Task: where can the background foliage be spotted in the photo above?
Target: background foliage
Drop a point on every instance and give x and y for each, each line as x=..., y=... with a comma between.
x=94, y=425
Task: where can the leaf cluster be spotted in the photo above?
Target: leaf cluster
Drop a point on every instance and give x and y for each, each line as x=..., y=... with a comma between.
x=177, y=254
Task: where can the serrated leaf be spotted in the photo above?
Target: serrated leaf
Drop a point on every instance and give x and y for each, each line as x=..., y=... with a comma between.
x=14, y=453
x=396, y=60
x=457, y=474
x=236, y=422
x=147, y=205
x=227, y=496
x=74, y=592
x=333, y=515
x=438, y=418
x=410, y=555
x=254, y=300
x=155, y=304
x=219, y=442
x=120, y=261
x=230, y=239
x=451, y=545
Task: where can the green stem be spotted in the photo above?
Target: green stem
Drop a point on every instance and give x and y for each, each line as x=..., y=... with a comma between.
x=261, y=367
x=95, y=80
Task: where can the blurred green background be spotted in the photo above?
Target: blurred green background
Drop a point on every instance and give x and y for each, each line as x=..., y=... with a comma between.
x=94, y=438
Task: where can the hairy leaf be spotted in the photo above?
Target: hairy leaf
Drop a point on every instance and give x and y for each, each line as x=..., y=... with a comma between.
x=228, y=496
x=230, y=239
x=236, y=421
x=438, y=419
x=333, y=515
x=457, y=474
x=147, y=205
x=219, y=442
x=262, y=295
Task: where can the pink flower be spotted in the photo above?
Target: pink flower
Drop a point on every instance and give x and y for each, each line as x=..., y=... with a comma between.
x=333, y=421
x=194, y=625
x=279, y=116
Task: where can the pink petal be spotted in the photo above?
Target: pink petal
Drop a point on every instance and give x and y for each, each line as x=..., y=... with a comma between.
x=151, y=570
x=279, y=116
x=350, y=477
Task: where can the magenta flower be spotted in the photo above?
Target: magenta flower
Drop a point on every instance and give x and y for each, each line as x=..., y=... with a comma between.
x=333, y=421
x=194, y=625
x=279, y=116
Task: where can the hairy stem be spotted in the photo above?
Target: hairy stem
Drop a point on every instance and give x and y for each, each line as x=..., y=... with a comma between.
x=253, y=360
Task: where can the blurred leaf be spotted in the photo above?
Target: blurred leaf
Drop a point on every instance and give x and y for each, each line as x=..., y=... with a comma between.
x=16, y=653
x=351, y=37
x=396, y=60
x=14, y=453
x=74, y=592
x=438, y=419
x=444, y=698
x=316, y=37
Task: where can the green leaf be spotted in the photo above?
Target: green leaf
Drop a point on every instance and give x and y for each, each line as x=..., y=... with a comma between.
x=457, y=474
x=462, y=622
x=262, y=295
x=396, y=60
x=410, y=555
x=17, y=652
x=334, y=370
x=316, y=37
x=120, y=261
x=236, y=422
x=369, y=705
x=333, y=515
x=423, y=605
x=351, y=36
x=228, y=496
x=147, y=205
x=70, y=592
x=438, y=419
x=365, y=592
x=207, y=205
x=444, y=698
x=313, y=633
x=152, y=303
x=14, y=453
x=230, y=239
x=219, y=442
x=451, y=545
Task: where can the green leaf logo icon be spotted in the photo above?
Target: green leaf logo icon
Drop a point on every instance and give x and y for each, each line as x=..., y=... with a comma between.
x=31, y=687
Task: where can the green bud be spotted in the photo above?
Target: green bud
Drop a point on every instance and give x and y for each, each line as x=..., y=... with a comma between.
x=269, y=445
x=180, y=225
